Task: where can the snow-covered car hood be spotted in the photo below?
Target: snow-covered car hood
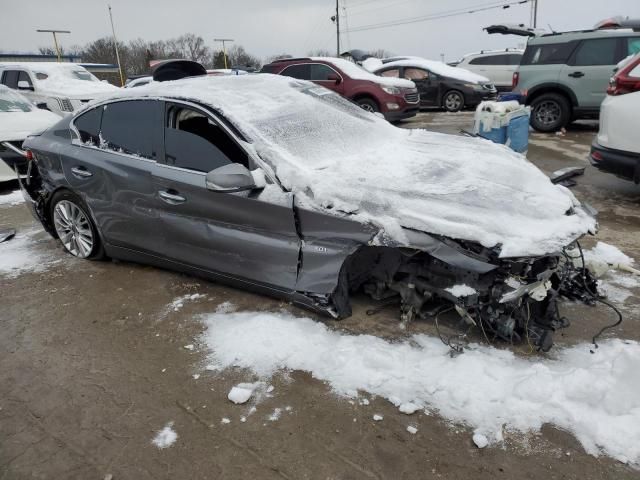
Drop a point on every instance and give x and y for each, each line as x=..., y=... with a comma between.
x=439, y=68
x=76, y=89
x=337, y=158
x=19, y=125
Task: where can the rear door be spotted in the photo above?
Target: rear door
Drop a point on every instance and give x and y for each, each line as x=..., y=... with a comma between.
x=589, y=69
x=110, y=165
x=320, y=73
x=234, y=234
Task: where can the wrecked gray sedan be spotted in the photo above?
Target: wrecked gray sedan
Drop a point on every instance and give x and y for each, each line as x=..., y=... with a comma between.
x=280, y=186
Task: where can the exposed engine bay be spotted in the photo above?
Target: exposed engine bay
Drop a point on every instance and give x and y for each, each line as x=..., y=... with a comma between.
x=515, y=300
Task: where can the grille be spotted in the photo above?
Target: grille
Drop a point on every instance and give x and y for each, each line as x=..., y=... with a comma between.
x=412, y=97
x=65, y=104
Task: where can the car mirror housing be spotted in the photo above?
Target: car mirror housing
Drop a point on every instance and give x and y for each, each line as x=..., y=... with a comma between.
x=229, y=179
x=24, y=85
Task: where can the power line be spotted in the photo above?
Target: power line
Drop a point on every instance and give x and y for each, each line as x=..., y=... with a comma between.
x=436, y=16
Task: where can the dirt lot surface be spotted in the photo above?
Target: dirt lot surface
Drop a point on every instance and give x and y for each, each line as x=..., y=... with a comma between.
x=93, y=364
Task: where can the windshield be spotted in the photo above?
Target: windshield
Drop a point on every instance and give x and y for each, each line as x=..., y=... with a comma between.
x=13, y=102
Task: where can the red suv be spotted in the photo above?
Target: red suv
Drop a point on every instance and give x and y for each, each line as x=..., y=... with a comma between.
x=395, y=98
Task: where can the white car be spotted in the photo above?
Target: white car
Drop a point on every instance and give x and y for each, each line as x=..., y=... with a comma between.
x=60, y=87
x=497, y=65
x=616, y=149
x=19, y=118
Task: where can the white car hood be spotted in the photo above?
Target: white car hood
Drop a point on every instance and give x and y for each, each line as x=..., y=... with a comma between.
x=16, y=126
x=341, y=160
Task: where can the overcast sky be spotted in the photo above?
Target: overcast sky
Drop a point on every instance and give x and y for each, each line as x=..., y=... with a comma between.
x=268, y=27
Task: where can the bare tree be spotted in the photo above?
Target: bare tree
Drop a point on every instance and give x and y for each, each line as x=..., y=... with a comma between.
x=380, y=53
x=238, y=56
x=319, y=52
x=280, y=56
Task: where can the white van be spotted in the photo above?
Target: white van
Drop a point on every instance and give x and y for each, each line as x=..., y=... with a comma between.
x=59, y=87
x=497, y=65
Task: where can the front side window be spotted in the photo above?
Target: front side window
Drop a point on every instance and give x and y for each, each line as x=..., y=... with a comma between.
x=129, y=127
x=193, y=141
x=394, y=72
x=88, y=126
x=415, y=74
x=10, y=78
x=320, y=72
x=600, y=51
x=301, y=72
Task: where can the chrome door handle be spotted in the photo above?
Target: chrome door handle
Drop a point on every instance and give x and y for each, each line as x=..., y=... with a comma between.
x=171, y=198
x=81, y=172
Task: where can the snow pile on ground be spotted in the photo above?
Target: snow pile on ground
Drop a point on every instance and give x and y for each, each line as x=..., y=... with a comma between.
x=336, y=158
x=604, y=254
x=13, y=198
x=594, y=396
x=165, y=437
x=20, y=255
x=179, y=302
x=242, y=392
x=439, y=68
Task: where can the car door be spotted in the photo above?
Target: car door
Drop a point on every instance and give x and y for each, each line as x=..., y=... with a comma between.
x=589, y=69
x=110, y=164
x=326, y=76
x=239, y=235
x=425, y=83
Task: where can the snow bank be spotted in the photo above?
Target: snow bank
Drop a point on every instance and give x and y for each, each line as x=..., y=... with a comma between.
x=13, y=198
x=603, y=253
x=359, y=73
x=165, y=437
x=439, y=68
x=329, y=152
x=594, y=396
x=20, y=255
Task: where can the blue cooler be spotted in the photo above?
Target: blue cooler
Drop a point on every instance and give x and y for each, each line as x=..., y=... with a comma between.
x=506, y=123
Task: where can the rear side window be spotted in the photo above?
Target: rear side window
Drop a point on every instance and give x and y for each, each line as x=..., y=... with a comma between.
x=10, y=78
x=514, y=59
x=551, y=53
x=601, y=51
x=302, y=72
x=489, y=60
x=130, y=127
x=88, y=126
x=633, y=46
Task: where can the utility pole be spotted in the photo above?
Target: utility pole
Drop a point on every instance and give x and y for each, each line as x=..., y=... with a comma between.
x=337, y=28
x=55, y=39
x=115, y=42
x=224, y=48
x=535, y=13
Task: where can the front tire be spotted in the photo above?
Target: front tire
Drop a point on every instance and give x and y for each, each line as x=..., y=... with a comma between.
x=74, y=227
x=368, y=104
x=453, y=101
x=550, y=112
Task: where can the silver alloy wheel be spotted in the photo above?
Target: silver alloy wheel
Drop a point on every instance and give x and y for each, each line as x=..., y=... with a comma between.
x=453, y=101
x=548, y=113
x=367, y=107
x=73, y=228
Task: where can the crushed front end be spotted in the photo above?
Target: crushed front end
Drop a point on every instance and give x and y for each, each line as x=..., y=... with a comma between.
x=515, y=300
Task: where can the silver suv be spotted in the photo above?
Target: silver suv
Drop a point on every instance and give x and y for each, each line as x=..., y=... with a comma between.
x=564, y=76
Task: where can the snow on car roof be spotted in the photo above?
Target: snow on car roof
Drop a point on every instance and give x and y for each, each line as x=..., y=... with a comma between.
x=438, y=68
x=359, y=73
x=337, y=158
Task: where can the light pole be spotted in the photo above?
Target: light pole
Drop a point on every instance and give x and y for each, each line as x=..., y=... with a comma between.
x=115, y=42
x=224, y=48
x=55, y=39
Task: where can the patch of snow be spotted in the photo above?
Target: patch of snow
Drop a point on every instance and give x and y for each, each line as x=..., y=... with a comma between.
x=179, y=302
x=165, y=437
x=364, y=401
x=328, y=152
x=196, y=376
x=408, y=408
x=241, y=393
x=412, y=430
x=275, y=415
x=439, y=68
x=189, y=347
x=480, y=440
x=377, y=417
x=225, y=420
x=372, y=64
x=594, y=396
x=21, y=255
x=603, y=253
x=13, y=198
x=461, y=290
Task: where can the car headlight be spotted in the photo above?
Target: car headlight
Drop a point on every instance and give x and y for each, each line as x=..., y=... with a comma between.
x=475, y=86
x=391, y=90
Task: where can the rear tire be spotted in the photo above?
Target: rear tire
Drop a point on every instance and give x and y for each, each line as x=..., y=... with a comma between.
x=71, y=220
x=550, y=112
x=368, y=104
x=453, y=101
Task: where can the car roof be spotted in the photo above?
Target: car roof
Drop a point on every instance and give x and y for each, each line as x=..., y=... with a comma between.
x=42, y=66
x=582, y=35
x=494, y=52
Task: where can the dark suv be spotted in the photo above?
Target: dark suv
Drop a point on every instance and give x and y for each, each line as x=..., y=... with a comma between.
x=395, y=98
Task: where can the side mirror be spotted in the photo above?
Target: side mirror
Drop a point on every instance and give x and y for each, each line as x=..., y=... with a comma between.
x=229, y=179
x=24, y=85
x=335, y=78
x=42, y=106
